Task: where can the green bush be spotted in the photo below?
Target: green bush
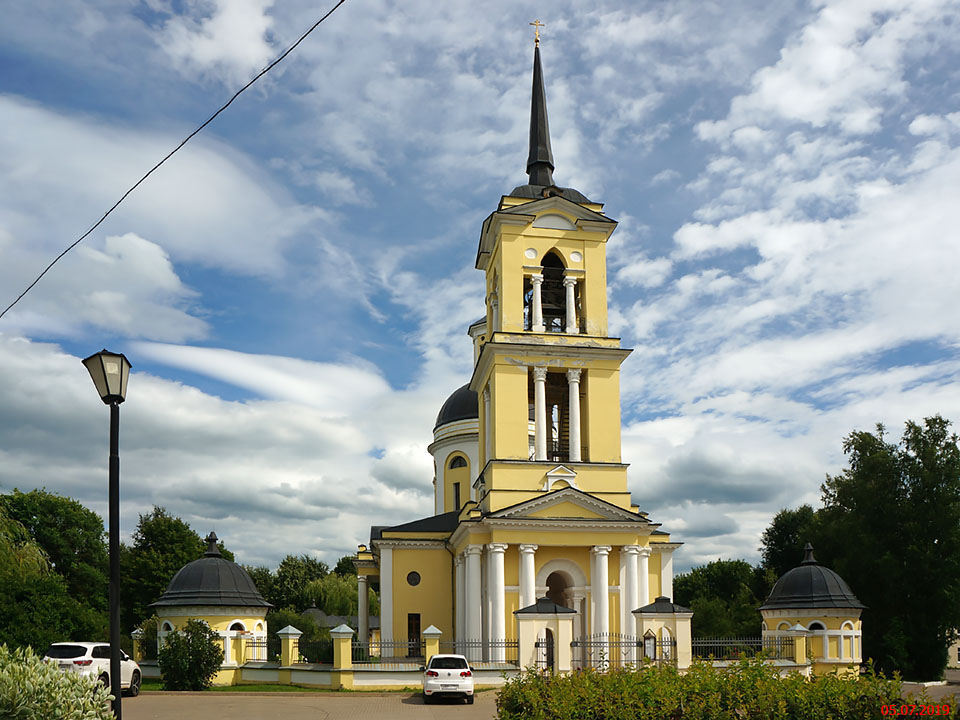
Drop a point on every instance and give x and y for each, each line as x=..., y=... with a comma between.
x=750, y=689
x=31, y=689
x=190, y=657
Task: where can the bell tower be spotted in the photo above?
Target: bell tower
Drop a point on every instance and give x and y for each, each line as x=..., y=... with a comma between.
x=547, y=373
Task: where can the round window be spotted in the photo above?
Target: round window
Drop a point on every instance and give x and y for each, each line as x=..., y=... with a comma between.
x=413, y=578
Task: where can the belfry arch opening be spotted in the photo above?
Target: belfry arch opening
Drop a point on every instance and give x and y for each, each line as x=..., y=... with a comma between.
x=557, y=415
x=553, y=298
x=560, y=588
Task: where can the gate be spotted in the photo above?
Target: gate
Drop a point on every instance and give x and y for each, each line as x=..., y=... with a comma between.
x=546, y=655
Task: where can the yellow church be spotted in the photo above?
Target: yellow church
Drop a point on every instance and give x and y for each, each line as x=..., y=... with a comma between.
x=530, y=488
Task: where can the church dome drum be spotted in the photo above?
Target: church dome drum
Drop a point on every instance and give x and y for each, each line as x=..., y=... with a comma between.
x=811, y=585
x=212, y=580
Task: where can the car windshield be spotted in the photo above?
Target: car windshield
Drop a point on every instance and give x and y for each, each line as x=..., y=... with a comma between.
x=66, y=651
x=448, y=664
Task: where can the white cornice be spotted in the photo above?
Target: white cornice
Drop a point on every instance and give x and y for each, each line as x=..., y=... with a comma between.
x=399, y=542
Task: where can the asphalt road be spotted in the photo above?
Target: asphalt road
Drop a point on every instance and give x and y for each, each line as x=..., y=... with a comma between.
x=302, y=706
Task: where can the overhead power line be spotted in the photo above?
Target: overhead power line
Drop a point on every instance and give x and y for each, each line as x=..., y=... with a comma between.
x=187, y=139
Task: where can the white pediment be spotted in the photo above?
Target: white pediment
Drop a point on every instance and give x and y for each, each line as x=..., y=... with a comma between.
x=582, y=504
x=559, y=473
x=557, y=203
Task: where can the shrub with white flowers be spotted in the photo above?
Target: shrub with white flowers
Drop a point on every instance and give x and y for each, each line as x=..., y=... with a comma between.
x=31, y=689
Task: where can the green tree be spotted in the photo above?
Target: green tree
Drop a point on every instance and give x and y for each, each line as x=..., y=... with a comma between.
x=162, y=544
x=292, y=577
x=190, y=657
x=783, y=541
x=72, y=537
x=38, y=608
x=345, y=566
x=263, y=579
x=891, y=528
x=724, y=596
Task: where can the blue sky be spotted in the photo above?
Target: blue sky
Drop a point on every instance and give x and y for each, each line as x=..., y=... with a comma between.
x=294, y=287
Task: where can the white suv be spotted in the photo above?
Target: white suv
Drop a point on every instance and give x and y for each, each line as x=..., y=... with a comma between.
x=88, y=658
x=448, y=675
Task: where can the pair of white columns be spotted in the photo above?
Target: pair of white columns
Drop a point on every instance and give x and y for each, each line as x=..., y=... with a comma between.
x=540, y=412
x=636, y=593
x=570, y=284
x=471, y=596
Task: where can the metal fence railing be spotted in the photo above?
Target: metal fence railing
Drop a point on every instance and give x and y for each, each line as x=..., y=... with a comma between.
x=604, y=651
x=735, y=648
x=315, y=651
x=392, y=654
x=255, y=650
x=489, y=654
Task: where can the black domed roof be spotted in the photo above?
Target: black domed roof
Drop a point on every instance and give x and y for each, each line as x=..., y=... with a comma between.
x=212, y=580
x=461, y=405
x=811, y=585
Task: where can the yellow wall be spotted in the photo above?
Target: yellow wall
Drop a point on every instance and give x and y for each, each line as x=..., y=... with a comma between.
x=432, y=598
x=508, y=399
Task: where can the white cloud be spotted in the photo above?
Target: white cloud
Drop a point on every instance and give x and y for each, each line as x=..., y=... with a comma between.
x=124, y=285
x=225, y=39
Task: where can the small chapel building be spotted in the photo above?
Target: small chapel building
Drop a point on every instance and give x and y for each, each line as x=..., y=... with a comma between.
x=530, y=488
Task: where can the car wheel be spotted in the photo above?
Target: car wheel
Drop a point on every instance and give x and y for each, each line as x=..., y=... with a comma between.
x=134, y=689
x=469, y=699
x=427, y=699
x=104, y=680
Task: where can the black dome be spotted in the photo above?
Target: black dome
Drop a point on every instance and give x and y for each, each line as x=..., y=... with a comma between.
x=212, y=580
x=461, y=405
x=811, y=585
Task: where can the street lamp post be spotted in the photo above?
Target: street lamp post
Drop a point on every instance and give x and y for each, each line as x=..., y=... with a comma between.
x=110, y=372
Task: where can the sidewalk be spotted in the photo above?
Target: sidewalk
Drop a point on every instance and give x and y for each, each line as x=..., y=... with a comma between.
x=302, y=706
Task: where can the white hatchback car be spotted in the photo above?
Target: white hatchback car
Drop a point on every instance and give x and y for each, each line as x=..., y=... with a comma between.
x=447, y=676
x=89, y=658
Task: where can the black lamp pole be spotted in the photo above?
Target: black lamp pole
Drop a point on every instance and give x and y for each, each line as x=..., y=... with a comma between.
x=109, y=372
x=114, y=494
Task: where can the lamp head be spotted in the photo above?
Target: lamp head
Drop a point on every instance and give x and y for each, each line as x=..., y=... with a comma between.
x=109, y=372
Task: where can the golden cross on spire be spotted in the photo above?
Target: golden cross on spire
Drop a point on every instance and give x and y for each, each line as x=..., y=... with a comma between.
x=537, y=25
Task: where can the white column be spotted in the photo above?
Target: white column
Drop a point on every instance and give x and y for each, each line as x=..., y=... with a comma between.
x=631, y=593
x=487, y=425
x=540, y=411
x=363, y=610
x=498, y=625
x=495, y=315
x=572, y=326
x=460, y=577
x=472, y=600
x=573, y=391
x=228, y=648
x=536, y=324
x=601, y=599
x=528, y=575
x=644, y=572
x=601, y=591
x=386, y=595
x=666, y=572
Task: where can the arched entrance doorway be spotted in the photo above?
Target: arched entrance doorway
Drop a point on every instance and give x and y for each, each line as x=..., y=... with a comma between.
x=560, y=588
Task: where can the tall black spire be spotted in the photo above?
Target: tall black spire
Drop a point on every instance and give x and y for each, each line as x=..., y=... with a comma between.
x=540, y=160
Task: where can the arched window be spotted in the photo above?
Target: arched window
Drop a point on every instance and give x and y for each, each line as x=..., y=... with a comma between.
x=816, y=626
x=166, y=627
x=458, y=462
x=237, y=627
